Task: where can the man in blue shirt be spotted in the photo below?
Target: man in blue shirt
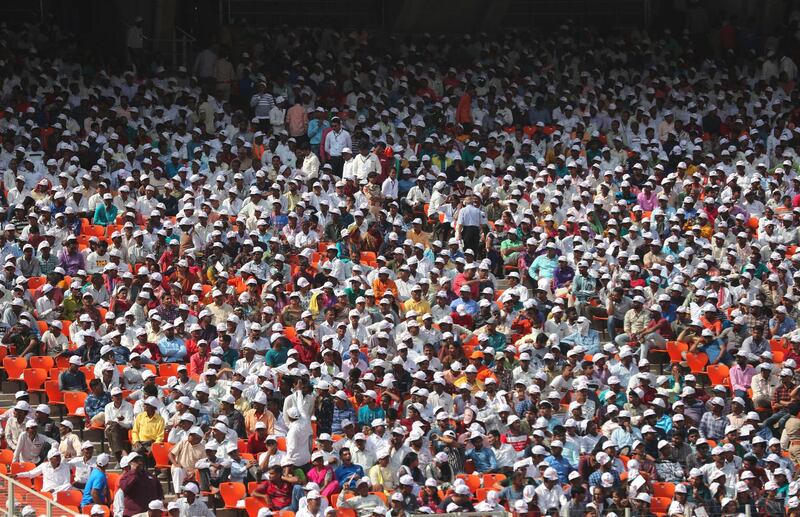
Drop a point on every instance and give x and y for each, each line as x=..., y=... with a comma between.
x=495, y=339
x=96, y=489
x=348, y=474
x=342, y=412
x=606, y=465
x=483, y=457
x=543, y=267
x=371, y=410
x=73, y=379
x=465, y=301
x=780, y=324
x=97, y=400
x=558, y=462
x=172, y=348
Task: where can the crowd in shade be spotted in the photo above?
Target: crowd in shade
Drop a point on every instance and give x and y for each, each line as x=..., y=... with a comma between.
x=319, y=272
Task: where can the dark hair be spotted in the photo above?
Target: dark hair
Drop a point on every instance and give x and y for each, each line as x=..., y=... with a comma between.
x=410, y=458
x=151, y=390
x=95, y=382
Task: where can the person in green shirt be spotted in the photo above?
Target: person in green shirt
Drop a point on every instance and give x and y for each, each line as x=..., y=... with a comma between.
x=511, y=247
x=229, y=355
x=72, y=302
x=278, y=353
x=106, y=212
x=495, y=339
x=354, y=291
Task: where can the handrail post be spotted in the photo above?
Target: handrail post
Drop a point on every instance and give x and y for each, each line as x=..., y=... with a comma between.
x=14, y=487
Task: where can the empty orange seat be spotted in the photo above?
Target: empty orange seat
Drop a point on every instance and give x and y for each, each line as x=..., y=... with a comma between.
x=231, y=494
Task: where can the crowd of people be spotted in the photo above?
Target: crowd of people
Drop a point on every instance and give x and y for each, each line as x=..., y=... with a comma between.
x=543, y=274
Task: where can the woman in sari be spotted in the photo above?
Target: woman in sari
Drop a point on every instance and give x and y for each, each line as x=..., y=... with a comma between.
x=322, y=475
x=281, y=300
x=349, y=248
x=292, y=313
x=372, y=239
x=119, y=302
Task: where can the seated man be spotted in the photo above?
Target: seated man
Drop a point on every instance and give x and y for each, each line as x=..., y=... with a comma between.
x=214, y=469
x=96, y=403
x=363, y=502
x=148, y=427
x=584, y=336
x=55, y=473
x=184, y=456
x=275, y=491
x=73, y=379
x=32, y=446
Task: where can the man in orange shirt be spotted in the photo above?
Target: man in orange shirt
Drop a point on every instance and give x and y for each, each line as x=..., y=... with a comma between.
x=383, y=283
x=476, y=360
x=709, y=319
x=464, y=110
x=416, y=235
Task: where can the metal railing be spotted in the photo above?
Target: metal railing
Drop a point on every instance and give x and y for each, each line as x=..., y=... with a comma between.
x=19, y=495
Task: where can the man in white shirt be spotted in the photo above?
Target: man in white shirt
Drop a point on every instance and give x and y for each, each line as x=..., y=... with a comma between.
x=306, y=238
x=299, y=438
x=46, y=308
x=365, y=162
x=118, y=420
x=549, y=494
x=390, y=186
x=418, y=195
x=335, y=142
x=55, y=473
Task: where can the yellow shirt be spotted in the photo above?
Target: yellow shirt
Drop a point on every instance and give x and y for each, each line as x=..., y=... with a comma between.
x=146, y=429
x=418, y=238
x=421, y=307
x=242, y=405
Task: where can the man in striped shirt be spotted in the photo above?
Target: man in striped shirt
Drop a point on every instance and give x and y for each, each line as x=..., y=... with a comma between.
x=262, y=103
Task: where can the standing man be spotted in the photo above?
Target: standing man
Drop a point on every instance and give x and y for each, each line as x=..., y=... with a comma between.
x=299, y=439
x=468, y=224
x=262, y=102
x=135, y=43
x=297, y=122
x=139, y=486
x=335, y=142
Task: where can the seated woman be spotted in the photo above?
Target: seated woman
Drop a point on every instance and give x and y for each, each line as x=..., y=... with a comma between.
x=323, y=475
